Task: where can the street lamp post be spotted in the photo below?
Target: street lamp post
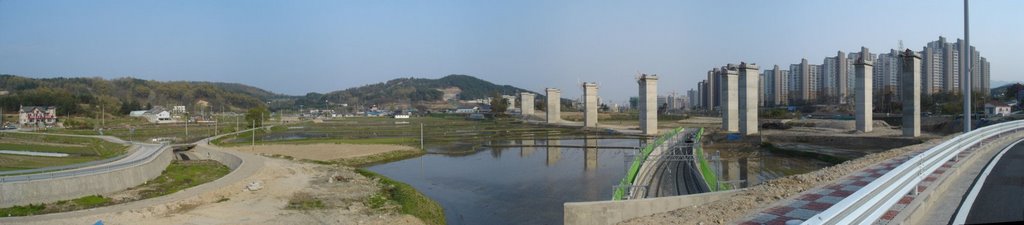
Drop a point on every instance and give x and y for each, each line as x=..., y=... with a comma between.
x=967, y=71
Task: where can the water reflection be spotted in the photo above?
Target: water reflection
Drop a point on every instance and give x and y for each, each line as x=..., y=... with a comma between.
x=590, y=153
x=746, y=171
x=477, y=184
x=554, y=152
x=489, y=187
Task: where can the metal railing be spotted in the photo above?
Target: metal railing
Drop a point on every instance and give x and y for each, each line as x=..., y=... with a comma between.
x=622, y=189
x=869, y=203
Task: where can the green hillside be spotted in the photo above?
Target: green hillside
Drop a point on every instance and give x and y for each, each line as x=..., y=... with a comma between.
x=411, y=91
x=85, y=95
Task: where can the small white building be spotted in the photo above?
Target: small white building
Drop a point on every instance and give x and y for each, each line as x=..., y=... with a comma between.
x=995, y=108
x=178, y=109
x=137, y=113
x=472, y=110
x=156, y=115
x=401, y=116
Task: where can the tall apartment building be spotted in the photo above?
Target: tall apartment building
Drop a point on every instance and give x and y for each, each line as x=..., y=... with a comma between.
x=693, y=98
x=941, y=67
x=702, y=95
x=832, y=81
x=829, y=78
x=804, y=82
x=887, y=75
x=776, y=86
x=761, y=96
x=986, y=73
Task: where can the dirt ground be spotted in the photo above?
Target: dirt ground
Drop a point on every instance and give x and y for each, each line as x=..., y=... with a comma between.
x=323, y=152
x=760, y=197
x=341, y=189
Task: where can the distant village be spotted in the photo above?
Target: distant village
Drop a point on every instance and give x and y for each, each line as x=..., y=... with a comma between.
x=477, y=109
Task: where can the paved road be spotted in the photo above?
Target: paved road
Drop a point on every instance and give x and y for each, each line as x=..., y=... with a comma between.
x=1001, y=195
x=251, y=164
x=137, y=153
x=140, y=154
x=675, y=175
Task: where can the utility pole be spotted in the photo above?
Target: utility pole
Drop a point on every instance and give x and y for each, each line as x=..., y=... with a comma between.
x=967, y=71
x=421, y=136
x=253, y=135
x=186, y=126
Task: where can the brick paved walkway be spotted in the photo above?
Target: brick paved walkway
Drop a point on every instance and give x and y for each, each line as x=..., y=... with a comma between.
x=817, y=200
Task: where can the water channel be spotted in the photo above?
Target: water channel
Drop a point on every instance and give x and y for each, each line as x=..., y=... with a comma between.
x=528, y=185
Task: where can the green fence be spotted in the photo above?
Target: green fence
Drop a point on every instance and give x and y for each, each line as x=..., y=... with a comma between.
x=634, y=167
x=705, y=170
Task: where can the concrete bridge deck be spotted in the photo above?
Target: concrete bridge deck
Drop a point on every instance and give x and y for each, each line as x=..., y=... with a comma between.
x=673, y=176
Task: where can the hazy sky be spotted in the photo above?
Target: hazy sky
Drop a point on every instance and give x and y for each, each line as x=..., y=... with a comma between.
x=294, y=47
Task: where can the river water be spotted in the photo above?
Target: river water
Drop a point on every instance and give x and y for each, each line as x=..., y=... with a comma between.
x=528, y=185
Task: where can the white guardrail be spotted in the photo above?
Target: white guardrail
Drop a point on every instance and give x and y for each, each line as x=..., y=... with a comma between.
x=869, y=203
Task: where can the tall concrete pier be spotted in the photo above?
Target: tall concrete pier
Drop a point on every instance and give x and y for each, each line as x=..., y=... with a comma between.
x=648, y=104
x=527, y=103
x=590, y=104
x=729, y=96
x=910, y=79
x=554, y=105
x=749, y=99
x=862, y=89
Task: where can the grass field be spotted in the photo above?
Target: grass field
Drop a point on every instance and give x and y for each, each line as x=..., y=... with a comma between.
x=178, y=176
x=145, y=131
x=181, y=175
x=413, y=202
x=80, y=149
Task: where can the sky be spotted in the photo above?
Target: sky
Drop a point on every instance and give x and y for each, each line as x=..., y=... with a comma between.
x=295, y=47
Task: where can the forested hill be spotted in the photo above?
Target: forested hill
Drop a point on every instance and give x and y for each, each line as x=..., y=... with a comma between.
x=85, y=95
x=412, y=91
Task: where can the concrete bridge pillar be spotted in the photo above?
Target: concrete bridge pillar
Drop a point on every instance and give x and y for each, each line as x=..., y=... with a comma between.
x=590, y=104
x=527, y=103
x=554, y=108
x=749, y=79
x=862, y=89
x=729, y=94
x=910, y=79
x=648, y=104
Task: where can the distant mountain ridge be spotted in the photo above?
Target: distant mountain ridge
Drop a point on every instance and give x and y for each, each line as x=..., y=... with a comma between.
x=413, y=91
x=76, y=95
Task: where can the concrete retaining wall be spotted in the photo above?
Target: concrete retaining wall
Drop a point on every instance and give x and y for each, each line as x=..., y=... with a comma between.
x=612, y=212
x=65, y=188
x=229, y=160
